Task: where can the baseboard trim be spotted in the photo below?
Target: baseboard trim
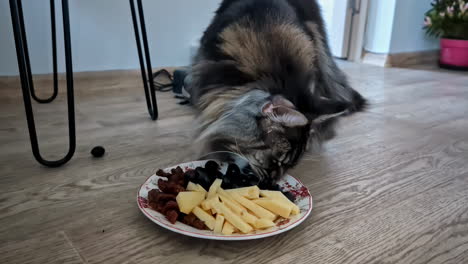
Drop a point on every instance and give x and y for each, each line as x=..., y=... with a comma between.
x=375, y=59
x=402, y=60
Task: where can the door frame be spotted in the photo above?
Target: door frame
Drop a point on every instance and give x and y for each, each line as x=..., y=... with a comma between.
x=345, y=21
x=360, y=11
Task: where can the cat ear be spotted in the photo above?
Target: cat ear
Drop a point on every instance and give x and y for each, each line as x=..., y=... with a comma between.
x=284, y=115
x=328, y=109
x=281, y=101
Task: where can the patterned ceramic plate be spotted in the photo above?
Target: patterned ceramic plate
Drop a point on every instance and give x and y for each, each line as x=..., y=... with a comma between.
x=288, y=183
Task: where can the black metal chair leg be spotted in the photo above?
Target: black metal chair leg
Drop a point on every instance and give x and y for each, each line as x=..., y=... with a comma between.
x=54, y=53
x=27, y=81
x=145, y=61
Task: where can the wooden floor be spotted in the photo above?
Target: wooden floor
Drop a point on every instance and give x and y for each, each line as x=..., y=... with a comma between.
x=391, y=188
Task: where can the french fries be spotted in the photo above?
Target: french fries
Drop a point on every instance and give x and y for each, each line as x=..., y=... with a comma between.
x=238, y=210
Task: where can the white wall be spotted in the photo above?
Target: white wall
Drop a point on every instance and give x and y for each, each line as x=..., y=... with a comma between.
x=102, y=33
x=395, y=26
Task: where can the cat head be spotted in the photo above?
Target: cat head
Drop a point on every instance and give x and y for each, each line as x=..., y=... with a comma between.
x=269, y=130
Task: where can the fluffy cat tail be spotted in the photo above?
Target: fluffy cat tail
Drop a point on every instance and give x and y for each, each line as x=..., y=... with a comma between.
x=360, y=104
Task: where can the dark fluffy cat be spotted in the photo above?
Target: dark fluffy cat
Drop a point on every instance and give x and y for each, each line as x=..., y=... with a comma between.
x=266, y=85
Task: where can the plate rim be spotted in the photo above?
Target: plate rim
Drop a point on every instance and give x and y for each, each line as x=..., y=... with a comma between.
x=224, y=237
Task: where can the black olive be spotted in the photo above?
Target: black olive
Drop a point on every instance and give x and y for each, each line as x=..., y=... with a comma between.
x=236, y=180
x=275, y=187
x=219, y=175
x=212, y=170
x=244, y=181
x=212, y=177
x=201, y=172
x=253, y=183
x=232, y=171
x=226, y=185
x=263, y=185
x=205, y=183
x=252, y=177
x=212, y=166
x=290, y=196
x=203, y=178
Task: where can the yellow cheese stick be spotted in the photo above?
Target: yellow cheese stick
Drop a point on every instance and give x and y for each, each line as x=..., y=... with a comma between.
x=235, y=207
x=214, y=188
x=228, y=229
x=219, y=224
x=277, y=194
x=256, y=209
x=191, y=186
x=196, y=188
x=206, y=204
x=238, y=209
x=276, y=206
x=227, y=195
x=252, y=192
x=249, y=218
x=208, y=219
x=263, y=223
x=230, y=216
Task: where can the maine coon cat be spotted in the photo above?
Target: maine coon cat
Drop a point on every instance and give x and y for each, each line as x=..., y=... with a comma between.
x=265, y=83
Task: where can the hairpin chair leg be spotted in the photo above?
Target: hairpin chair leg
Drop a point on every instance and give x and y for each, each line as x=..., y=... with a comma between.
x=54, y=53
x=145, y=59
x=27, y=81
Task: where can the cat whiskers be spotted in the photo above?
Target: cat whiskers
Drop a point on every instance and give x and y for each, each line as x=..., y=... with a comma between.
x=256, y=167
x=239, y=151
x=311, y=157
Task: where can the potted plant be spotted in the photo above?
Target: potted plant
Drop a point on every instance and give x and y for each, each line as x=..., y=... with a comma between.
x=448, y=19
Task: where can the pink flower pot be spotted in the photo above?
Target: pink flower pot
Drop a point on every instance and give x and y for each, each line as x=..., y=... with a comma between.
x=454, y=54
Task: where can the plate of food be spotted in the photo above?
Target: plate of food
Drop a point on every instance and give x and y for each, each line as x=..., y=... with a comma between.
x=200, y=199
